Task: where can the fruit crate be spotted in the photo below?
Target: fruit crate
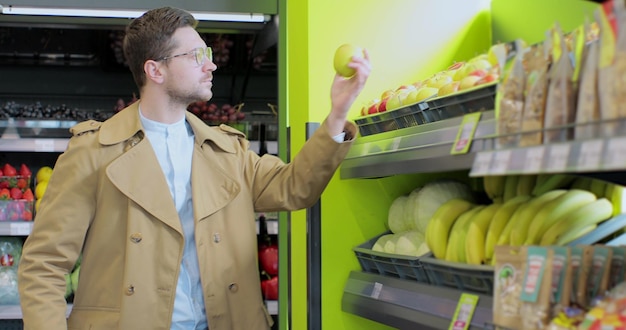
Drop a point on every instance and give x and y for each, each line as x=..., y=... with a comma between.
x=16, y=210
x=476, y=99
x=388, y=264
x=404, y=117
x=469, y=278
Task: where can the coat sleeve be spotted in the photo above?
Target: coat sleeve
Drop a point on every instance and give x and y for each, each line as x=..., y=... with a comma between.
x=52, y=248
x=285, y=187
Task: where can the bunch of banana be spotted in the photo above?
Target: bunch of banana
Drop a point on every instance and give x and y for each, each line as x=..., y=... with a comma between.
x=455, y=250
x=577, y=221
x=476, y=234
x=439, y=226
x=499, y=222
x=494, y=187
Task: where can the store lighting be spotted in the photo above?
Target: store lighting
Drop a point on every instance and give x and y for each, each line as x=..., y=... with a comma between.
x=120, y=13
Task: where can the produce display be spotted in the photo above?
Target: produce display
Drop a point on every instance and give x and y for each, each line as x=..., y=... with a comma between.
x=38, y=110
x=42, y=177
x=461, y=76
x=268, y=261
x=10, y=255
x=410, y=215
x=16, y=196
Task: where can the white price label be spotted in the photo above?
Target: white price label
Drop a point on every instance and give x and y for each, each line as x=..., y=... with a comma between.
x=616, y=153
x=534, y=159
x=557, y=161
x=365, y=149
x=44, y=145
x=590, y=154
x=500, y=162
x=482, y=163
x=376, y=290
x=20, y=228
x=395, y=144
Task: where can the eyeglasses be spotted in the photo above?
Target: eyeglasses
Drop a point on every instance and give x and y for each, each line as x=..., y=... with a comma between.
x=199, y=54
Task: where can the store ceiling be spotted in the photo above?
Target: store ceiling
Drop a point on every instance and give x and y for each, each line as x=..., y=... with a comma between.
x=266, y=8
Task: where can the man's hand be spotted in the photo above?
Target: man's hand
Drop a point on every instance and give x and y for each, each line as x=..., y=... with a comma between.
x=345, y=90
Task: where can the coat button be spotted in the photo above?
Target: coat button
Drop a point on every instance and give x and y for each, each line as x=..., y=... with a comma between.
x=130, y=290
x=136, y=237
x=217, y=238
x=233, y=287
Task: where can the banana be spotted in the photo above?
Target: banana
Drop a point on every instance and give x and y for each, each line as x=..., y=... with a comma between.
x=526, y=184
x=615, y=193
x=548, y=182
x=590, y=214
x=499, y=221
x=510, y=187
x=477, y=232
x=548, y=213
x=598, y=187
x=572, y=235
x=582, y=182
x=505, y=235
x=458, y=233
x=494, y=186
x=528, y=211
x=440, y=224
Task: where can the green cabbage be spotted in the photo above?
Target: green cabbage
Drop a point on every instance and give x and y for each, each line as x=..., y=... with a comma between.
x=396, y=220
x=424, y=202
x=380, y=243
x=411, y=243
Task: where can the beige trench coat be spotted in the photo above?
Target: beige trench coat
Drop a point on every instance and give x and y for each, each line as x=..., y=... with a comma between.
x=108, y=197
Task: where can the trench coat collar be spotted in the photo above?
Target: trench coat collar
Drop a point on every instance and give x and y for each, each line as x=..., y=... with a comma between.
x=137, y=170
x=127, y=123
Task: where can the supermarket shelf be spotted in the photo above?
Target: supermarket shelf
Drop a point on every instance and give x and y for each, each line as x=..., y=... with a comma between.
x=17, y=144
x=407, y=304
x=33, y=144
x=272, y=306
x=422, y=148
x=593, y=155
x=15, y=228
x=426, y=149
x=272, y=227
x=14, y=312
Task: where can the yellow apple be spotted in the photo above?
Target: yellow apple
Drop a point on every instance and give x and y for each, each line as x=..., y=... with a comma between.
x=343, y=56
x=449, y=88
x=419, y=83
x=482, y=63
x=387, y=94
x=468, y=82
x=438, y=80
x=393, y=102
x=426, y=92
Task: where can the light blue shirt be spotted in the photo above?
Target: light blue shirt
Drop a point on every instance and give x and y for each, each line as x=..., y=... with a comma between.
x=173, y=146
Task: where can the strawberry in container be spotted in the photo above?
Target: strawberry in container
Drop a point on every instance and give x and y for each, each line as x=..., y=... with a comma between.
x=16, y=196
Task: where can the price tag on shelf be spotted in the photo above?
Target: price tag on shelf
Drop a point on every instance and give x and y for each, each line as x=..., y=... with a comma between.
x=376, y=290
x=44, y=145
x=590, y=155
x=500, y=162
x=482, y=163
x=20, y=228
x=557, y=159
x=615, y=153
x=466, y=132
x=533, y=159
x=464, y=312
x=395, y=143
x=365, y=149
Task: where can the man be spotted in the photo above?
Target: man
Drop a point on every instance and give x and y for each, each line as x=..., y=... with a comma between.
x=162, y=206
